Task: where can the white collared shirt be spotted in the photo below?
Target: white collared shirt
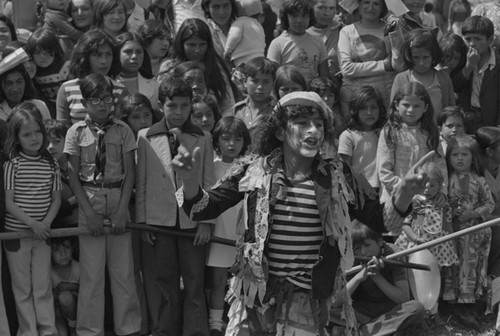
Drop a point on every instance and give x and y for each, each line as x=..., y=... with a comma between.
x=477, y=79
x=185, y=9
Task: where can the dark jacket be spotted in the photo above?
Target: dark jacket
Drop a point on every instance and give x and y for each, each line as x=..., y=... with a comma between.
x=489, y=97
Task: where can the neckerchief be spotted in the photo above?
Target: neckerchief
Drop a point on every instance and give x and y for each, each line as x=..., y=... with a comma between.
x=100, y=153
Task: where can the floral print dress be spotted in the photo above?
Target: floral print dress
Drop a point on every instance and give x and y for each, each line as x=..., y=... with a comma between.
x=468, y=191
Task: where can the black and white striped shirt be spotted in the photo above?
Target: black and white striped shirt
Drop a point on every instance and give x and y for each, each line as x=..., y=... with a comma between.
x=296, y=234
x=33, y=179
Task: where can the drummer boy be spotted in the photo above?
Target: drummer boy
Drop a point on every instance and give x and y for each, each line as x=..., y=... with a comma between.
x=381, y=296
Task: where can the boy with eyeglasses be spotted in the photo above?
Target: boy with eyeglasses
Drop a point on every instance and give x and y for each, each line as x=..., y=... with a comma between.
x=101, y=174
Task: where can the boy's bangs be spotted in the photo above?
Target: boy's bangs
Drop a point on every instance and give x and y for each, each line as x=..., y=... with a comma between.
x=361, y=232
x=235, y=130
x=299, y=11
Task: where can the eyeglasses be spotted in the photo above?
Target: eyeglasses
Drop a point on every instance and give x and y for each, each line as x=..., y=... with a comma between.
x=97, y=100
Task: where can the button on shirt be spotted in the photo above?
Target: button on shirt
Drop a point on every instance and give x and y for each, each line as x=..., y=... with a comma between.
x=477, y=79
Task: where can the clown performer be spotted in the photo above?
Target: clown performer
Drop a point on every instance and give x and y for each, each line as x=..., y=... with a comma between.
x=295, y=244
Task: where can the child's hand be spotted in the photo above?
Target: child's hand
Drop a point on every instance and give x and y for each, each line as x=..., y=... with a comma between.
x=186, y=164
x=417, y=240
x=467, y=215
x=372, y=268
x=472, y=58
x=118, y=221
x=40, y=230
x=203, y=233
x=417, y=201
x=440, y=200
x=148, y=237
x=413, y=184
x=95, y=224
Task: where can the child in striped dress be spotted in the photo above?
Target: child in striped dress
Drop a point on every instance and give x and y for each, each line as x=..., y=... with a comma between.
x=32, y=199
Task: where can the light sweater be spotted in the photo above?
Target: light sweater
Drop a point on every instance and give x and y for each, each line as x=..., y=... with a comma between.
x=246, y=38
x=362, y=52
x=304, y=51
x=394, y=162
x=445, y=84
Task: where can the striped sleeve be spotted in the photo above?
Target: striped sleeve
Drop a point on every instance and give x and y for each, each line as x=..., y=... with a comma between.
x=8, y=173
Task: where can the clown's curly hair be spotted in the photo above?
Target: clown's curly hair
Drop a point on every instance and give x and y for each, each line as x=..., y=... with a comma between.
x=267, y=126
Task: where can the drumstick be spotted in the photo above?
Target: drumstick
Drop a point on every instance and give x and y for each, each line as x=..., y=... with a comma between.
x=395, y=263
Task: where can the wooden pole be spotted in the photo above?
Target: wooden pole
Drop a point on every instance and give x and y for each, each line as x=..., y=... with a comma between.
x=434, y=242
x=65, y=232
x=155, y=229
x=76, y=231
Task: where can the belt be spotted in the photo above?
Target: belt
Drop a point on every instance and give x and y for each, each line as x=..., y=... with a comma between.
x=111, y=185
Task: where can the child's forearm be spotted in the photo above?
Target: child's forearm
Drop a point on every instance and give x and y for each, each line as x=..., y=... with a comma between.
x=65, y=28
x=409, y=232
x=190, y=188
x=233, y=38
x=354, y=283
x=230, y=46
x=54, y=208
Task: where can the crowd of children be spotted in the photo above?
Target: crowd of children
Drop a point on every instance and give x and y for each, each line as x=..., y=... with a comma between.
x=258, y=167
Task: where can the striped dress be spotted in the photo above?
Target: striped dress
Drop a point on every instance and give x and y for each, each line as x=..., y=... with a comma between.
x=296, y=233
x=33, y=180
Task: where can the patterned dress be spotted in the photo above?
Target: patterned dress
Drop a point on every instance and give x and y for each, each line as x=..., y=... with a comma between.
x=430, y=222
x=468, y=191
